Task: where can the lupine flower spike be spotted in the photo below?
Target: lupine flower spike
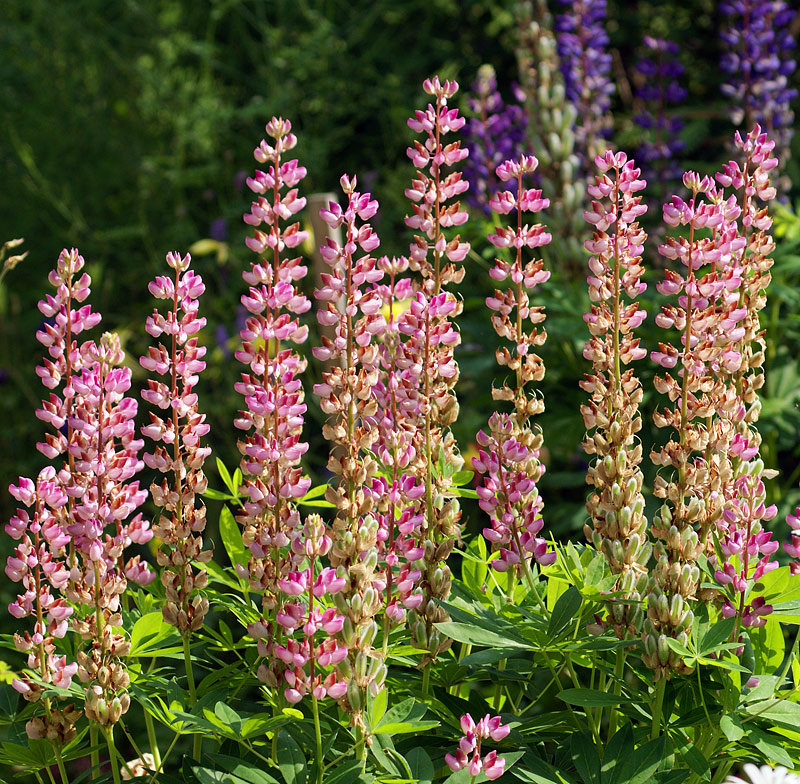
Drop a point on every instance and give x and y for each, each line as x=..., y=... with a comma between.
x=509, y=453
x=758, y=60
x=616, y=506
x=470, y=754
x=586, y=67
x=273, y=418
x=346, y=397
x=744, y=548
x=428, y=356
x=493, y=135
x=182, y=521
x=659, y=91
x=43, y=558
x=106, y=456
x=709, y=315
x=551, y=132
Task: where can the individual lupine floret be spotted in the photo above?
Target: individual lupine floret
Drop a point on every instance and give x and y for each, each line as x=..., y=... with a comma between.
x=586, y=67
x=469, y=747
x=181, y=522
x=758, y=59
x=659, y=91
x=346, y=397
x=427, y=355
x=509, y=454
x=616, y=505
x=273, y=392
x=707, y=316
x=494, y=134
x=106, y=454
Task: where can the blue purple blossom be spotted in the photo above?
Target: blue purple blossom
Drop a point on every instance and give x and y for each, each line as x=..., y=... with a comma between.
x=585, y=64
x=495, y=134
x=659, y=91
x=758, y=60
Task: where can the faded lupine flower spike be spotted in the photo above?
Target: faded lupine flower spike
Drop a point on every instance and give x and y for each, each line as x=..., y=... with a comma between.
x=428, y=356
x=616, y=505
x=346, y=397
x=509, y=454
x=273, y=394
x=182, y=521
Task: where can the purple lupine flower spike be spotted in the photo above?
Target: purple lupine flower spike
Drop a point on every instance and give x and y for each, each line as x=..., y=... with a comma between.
x=495, y=134
x=585, y=64
x=759, y=63
x=660, y=90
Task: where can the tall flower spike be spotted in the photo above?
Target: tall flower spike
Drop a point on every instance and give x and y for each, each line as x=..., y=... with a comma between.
x=494, y=134
x=707, y=315
x=106, y=453
x=586, y=67
x=744, y=549
x=273, y=393
x=396, y=488
x=181, y=522
x=509, y=454
x=616, y=505
x=758, y=60
x=427, y=354
x=346, y=397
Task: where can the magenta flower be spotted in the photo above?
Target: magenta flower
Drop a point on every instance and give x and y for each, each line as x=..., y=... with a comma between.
x=469, y=747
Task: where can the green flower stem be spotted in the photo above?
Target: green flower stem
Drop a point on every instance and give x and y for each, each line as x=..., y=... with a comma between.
x=619, y=669
x=94, y=756
x=112, y=754
x=317, y=738
x=60, y=762
x=168, y=752
x=187, y=658
x=50, y=775
x=498, y=689
x=361, y=748
x=658, y=708
x=151, y=730
x=426, y=679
